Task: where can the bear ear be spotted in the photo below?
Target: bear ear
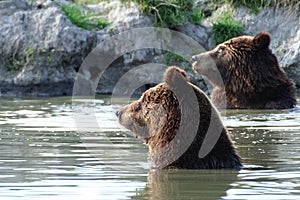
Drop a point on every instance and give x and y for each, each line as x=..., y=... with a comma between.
x=262, y=40
x=175, y=76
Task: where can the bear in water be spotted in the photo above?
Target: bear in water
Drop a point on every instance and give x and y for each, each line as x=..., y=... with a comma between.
x=245, y=74
x=181, y=127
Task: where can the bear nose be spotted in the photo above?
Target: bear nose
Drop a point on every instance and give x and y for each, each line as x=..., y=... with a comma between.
x=118, y=113
x=195, y=59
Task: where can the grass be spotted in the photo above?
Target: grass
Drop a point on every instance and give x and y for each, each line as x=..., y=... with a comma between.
x=14, y=65
x=170, y=13
x=196, y=16
x=266, y=3
x=226, y=27
x=172, y=58
x=29, y=53
x=83, y=18
x=49, y=59
x=257, y=5
x=87, y=2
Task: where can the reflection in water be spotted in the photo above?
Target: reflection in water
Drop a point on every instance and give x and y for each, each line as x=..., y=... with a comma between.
x=43, y=156
x=187, y=184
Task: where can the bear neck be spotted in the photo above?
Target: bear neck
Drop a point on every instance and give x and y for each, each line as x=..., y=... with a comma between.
x=261, y=85
x=182, y=150
x=222, y=156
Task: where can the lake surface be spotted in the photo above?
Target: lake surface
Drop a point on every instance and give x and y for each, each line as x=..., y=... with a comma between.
x=47, y=151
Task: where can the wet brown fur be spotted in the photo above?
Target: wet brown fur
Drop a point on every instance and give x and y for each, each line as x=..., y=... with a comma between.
x=156, y=118
x=250, y=74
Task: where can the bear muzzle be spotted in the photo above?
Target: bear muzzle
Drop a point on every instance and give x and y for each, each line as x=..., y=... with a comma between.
x=118, y=113
x=195, y=59
x=196, y=62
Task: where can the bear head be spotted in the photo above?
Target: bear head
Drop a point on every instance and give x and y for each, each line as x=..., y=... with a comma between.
x=236, y=59
x=156, y=112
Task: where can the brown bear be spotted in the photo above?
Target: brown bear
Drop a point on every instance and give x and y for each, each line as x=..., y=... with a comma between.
x=181, y=127
x=245, y=74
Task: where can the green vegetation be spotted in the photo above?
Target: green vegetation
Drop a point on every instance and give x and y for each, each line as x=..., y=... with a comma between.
x=83, y=18
x=16, y=64
x=29, y=53
x=29, y=56
x=254, y=5
x=257, y=5
x=87, y=2
x=170, y=13
x=226, y=27
x=173, y=59
x=49, y=59
x=196, y=16
x=13, y=65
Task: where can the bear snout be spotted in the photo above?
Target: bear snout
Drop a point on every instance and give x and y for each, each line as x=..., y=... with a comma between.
x=195, y=59
x=196, y=63
x=123, y=117
x=120, y=112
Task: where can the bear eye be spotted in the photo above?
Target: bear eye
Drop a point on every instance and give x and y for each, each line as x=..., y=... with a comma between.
x=137, y=106
x=221, y=50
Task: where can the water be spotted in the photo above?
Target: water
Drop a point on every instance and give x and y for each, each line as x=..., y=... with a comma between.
x=44, y=154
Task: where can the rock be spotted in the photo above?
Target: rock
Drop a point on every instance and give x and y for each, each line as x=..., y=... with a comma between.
x=126, y=17
x=197, y=32
x=121, y=17
x=41, y=49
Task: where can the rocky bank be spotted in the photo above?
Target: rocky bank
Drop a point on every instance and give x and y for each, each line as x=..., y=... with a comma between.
x=42, y=51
